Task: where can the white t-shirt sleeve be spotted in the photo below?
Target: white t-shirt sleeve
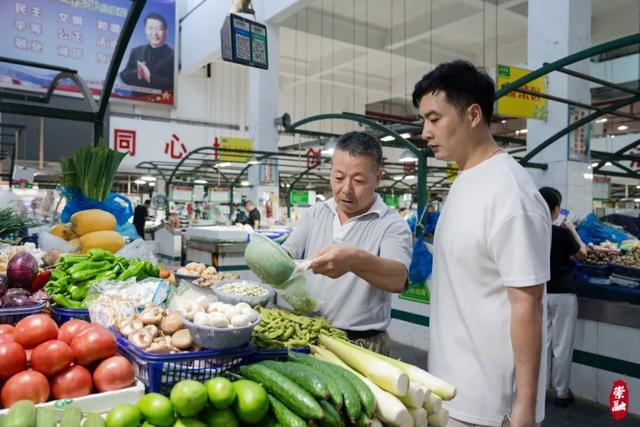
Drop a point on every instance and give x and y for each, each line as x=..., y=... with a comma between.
x=296, y=244
x=520, y=246
x=396, y=243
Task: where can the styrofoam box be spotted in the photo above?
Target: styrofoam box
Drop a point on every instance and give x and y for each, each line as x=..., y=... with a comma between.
x=218, y=234
x=98, y=402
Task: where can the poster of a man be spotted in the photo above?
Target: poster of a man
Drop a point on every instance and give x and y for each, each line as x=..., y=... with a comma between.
x=151, y=65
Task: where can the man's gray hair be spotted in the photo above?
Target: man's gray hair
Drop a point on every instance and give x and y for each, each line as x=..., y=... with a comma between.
x=361, y=144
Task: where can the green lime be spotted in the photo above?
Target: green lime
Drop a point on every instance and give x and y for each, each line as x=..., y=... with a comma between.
x=189, y=422
x=124, y=415
x=221, y=392
x=251, y=403
x=189, y=397
x=148, y=424
x=157, y=409
x=219, y=418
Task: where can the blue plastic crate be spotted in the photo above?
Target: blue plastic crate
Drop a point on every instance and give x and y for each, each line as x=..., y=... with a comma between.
x=13, y=315
x=62, y=315
x=593, y=270
x=279, y=354
x=159, y=372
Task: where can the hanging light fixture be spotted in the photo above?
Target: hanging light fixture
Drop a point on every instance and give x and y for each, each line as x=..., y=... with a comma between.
x=223, y=165
x=199, y=181
x=139, y=182
x=148, y=178
x=329, y=148
x=408, y=157
x=244, y=183
x=253, y=161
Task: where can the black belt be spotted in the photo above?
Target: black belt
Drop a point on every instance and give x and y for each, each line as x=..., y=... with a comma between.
x=358, y=335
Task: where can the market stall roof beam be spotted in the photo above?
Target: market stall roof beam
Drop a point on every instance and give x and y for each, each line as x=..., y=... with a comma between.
x=596, y=80
x=623, y=150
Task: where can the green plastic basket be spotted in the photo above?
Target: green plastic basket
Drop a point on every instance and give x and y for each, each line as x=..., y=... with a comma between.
x=268, y=260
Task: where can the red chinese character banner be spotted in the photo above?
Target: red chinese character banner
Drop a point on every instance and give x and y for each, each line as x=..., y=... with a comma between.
x=619, y=400
x=82, y=35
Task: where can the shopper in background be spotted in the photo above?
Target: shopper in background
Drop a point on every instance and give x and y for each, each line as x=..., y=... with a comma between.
x=140, y=216
x=360, y=248
x=174, y=219
x=253, y=214
x=562, y=303
x=491, y=259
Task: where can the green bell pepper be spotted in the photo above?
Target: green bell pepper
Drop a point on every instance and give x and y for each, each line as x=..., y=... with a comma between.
x=65, y=302
x=101, y=255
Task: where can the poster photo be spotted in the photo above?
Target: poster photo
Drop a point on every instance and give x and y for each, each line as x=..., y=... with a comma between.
x=83, y=35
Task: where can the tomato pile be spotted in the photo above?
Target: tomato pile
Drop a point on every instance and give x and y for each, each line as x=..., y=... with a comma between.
x=39, y=361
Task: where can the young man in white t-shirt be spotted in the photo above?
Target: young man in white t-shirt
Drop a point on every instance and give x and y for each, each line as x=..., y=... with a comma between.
x=491, y=260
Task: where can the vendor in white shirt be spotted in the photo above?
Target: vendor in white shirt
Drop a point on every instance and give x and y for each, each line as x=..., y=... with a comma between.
x=361, y=248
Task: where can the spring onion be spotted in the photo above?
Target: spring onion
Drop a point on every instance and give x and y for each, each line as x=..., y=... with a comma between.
x=382, y=373
x=389, y=409
x=439, y=419
x=419, y=417
x=414, y=397
x=432, y=403
x=440, y=387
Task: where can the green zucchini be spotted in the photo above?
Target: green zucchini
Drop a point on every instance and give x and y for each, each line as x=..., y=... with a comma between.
x=334, y=391
x=21, y=414
x=349, y=395
x=285, y=416
x=289, y=393
x=367, y=399
x=72, y=417
x=305, y=376
x=331, y=416
x=93, y=420
x=46, y=417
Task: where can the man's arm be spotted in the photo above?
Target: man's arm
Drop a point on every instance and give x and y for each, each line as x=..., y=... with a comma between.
x=526, y=340
x=382, y=273
x=130, y=73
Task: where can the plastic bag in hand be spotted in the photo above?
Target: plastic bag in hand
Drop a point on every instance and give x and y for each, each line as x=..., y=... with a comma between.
x=421, y=262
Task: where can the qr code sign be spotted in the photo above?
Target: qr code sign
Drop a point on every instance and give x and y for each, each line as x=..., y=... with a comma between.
x=259, y=51
x=243, y=47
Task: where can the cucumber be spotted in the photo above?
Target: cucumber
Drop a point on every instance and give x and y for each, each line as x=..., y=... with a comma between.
x=349, y=395
x=72, y=417
x=269, y=420
x=305, y=376
x=21, y=414
x=3, y=417
x=285, y=417
x=331, y=416
x=289, y=393
x=46, y=417
x=93, y=420
x=362, y=421
x=367, y=399
x=334, y=390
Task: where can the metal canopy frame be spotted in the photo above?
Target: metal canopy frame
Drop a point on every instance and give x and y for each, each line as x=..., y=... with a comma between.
x=612, y=109
x=38, y=105
x=16, y=135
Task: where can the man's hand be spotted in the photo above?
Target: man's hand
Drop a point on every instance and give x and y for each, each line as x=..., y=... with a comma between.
x=523, y=416
x=568, y=225
x=333, y=260
x=143, y=72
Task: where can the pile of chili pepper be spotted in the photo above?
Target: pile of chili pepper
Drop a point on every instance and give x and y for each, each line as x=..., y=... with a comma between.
x=75, y=274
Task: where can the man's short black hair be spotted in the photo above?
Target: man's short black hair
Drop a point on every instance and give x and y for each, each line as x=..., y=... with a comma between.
x=246, y=202
x=463, y=83
x=552, y=197
x=147, y=202
x=361, y=144
x=157, y=17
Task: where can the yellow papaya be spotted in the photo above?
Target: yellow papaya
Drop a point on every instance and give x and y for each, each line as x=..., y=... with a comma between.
x=108, y=240
x=91, y=220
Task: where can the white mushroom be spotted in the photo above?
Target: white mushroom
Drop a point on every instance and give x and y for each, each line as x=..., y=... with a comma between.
x=251, y=314
x=152, y=329
x=151, y=315
x=172, y=322
x=190, y=308
x=201, y=319
x=219, y=322
x=240, y=320
x=182, y=339
x=243, y=306
x=127, y=326
x=141, y=338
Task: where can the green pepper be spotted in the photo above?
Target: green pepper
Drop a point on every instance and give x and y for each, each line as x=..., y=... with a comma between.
x=82, y=275
x=62, y=285
x=65, y=302
x=88, y=266
x=151, y=270
x=101, y=255
x=80, y=292
x=58, y=274
x=69, y=258
x=132, y=271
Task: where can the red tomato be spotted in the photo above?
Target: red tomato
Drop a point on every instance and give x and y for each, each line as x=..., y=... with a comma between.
x=71, y=329
x=6, y=329
x=72, y=382
x=34, y=330
x=12, y=359
x=7, y=338
x=51, y=357
x=28, y=355
x=94, y=343
x=25, y=385
x=113, y=374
